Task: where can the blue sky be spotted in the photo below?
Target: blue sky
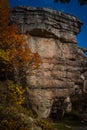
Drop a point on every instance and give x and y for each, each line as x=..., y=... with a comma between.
x=72, y=8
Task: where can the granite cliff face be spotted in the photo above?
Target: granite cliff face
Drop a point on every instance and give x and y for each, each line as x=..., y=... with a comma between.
x=63, y=71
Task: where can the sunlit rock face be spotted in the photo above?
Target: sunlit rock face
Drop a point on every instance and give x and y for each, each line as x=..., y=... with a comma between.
x=63, y=68
x=43, y=22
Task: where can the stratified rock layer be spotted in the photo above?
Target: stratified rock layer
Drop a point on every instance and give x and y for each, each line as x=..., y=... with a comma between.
x=63, y=71
x=46, y=23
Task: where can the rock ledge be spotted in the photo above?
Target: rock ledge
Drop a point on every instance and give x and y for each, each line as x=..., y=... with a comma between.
x=44, y=22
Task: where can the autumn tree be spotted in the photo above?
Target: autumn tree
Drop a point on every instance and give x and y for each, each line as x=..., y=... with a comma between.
x=15, y=54
x=15, y=59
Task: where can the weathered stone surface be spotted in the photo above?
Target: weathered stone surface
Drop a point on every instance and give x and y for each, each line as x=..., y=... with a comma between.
x=46, y=23
x=64, y=64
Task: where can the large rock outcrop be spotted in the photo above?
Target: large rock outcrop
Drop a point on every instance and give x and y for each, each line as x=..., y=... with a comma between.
x=63, y=71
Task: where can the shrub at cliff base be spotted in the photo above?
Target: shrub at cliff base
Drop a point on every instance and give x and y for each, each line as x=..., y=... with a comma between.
x=44, y=124
x=11, y=125
x=13, y=116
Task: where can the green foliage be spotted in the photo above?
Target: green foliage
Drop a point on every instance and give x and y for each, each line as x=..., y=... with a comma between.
x=44, y=124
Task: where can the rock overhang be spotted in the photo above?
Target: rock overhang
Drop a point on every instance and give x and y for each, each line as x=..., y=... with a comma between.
x=45, y=22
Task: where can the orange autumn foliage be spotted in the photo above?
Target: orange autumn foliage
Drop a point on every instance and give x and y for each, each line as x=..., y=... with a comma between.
x=4, y=14
x=14, y=51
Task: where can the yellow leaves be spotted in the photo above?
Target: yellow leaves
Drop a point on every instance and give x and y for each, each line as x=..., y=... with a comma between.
x=16, y=93
x=12, y=124
x=11, y=93
x=4, y=55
